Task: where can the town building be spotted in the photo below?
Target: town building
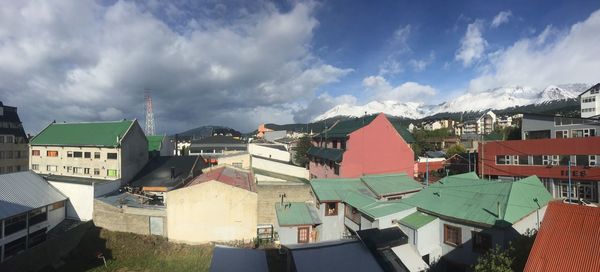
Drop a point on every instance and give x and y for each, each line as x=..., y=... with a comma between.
x=213, y=147
x=159, y=146
x=87, y=160
x=262, y=129
x=219, y=205
x=272, y=136
x=538, y=126
x=590, y=102
x=13, y=141
x=296, y=222
x=270, y=151
x=486, y=123
x=361, y=146
x=29, y=208
x=549, y=160
x=567, y=241
x=504, y=122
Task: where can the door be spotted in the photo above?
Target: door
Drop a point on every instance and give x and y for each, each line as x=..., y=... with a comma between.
x=156, y=226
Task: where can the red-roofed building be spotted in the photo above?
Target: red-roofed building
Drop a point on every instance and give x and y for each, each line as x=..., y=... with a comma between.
x=568, y=240
x=219, y=205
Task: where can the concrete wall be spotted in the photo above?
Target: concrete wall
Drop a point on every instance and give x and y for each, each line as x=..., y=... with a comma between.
x=56, y=216
x=531, y=221
x=278, y=167
x=268, y=195
x=81, y=196
x=134, y=152
x=289, y=234
x=126, y=219
x=211, y=211
x=332, y=227
x=19, y=160
x=274, y=135
x=242, y=158
x=269, y=152
x=62, y=161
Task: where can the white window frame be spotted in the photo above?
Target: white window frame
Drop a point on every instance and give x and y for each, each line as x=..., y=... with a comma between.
x=593, y=160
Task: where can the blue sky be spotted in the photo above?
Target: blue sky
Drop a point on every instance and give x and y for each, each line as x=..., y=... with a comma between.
x=241, y=63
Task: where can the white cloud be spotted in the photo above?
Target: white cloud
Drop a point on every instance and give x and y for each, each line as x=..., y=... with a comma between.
x=568, y=57
x=420, y=64
x=405, y=92
x=502, y=18
x=472, y=45
x=320, y=104
x=79, y=60
x=398, y=45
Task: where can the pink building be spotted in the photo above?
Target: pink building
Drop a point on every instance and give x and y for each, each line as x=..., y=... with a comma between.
x=361, y=146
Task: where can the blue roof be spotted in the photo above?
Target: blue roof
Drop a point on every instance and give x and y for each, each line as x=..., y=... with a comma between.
x=24, y=191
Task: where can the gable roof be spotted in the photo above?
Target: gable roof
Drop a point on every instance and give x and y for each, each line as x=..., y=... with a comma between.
x=227, y=175
x=468, y=198
x=568, y=239
x=296, y=213
x=341, y=129
x=105, y=134
x=417, y=220
x=342, y=255
x=24, y=191
x=155, y=142
x=595, y=87
x=391, y=184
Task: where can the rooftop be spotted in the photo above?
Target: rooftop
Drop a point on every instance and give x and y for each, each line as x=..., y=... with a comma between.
x=417, y=220
x=468, y=198
x=568, y=240
x=24, y=191
x=343, y=255
x=341, y=129
x=75, y=180
x=219, y=139
x=155, y=142
x=374, y=186
x=227, y=175
x=391, y=184
x=105, y=134
x=157, y=172
x=279, y=176
x=331, y=154
x=296, y=214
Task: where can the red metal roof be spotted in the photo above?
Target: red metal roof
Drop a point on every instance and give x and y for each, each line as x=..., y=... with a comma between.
x=569, y=240
x=229, y=176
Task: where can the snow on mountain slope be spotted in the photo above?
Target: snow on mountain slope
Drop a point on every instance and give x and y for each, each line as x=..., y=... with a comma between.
x=498, y=98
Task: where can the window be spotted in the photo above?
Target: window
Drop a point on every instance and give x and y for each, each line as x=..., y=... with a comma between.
x=37, y=237
x=51, y=168
x=52, y=153
x=331, y=208
x=15, y=247
x=578, y=133
x=15, y=224
x=523, y=160
x=87, y=155
x=86, y=171
x=593, y=160
x=69, y=169
x=69, y=154
x=564, y=160
x=96, y=155
x=77, y=154
x=35, y=167
x=595, y=91
x=35, y=152
x=303, y=234
x=10, y=139
x=10, y=155
x=96, y=171
x=550, y=160
x=562, y=134
x=336, y=169
x=77, y=170
x=1, y=139
x=343, y=144
x=582, y=160
x=500, y=159
x=481, y=242
x=452, y=235
x=237, y=164
x=111, y=156
x=37, y=216
x=588, y=99
x=56, y=205
x=111, y=172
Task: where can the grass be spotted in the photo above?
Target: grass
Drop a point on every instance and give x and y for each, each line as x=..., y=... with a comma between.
x=126, y=252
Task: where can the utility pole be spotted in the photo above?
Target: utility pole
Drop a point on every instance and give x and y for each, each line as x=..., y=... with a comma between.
x=469, y=154
x=569, y=190
x=426, y=171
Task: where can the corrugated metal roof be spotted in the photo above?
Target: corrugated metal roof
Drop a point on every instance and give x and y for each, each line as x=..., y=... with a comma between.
x=24, y=191
x=416, y=220
x=294, y=214
x=331, y=154
x=568, y=240
x=389, y=184
x=228, y=175
x=83, y=134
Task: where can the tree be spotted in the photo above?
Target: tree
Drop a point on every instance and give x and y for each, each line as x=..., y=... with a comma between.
x=301, y=158
x=495, y=260
x=455, y=149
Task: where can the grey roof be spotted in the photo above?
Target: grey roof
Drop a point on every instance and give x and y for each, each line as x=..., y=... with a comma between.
x=348, y=255
x=435, y=154
x=238, y=259
x=75, y=180
x=24, y=191
x=157, y=172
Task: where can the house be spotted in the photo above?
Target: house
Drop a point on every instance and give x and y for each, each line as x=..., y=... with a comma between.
x=549, y=160
x=538, y=126
x=361, y=146
x=429, y=164
x=159, y=146
x=262, y=129
x=13, y=141
x=270, y=151
x=296, y=222
x=87, y=160
x=348, y=205
x=567, y=240
x=486, y=123
x=219, y=205
x=590, y=102
x=504, y=121
x=460, y=163
x=462, y=216
x=29, y=208
x=213, y=147
x=391, y=249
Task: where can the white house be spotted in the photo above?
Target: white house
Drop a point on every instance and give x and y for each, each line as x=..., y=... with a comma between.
x=590, y=102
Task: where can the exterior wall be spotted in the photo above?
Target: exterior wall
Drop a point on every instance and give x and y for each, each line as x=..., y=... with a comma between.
x=56, y=216
x=322, y=170
x=539, y=123
x=167, y=148
x=278, y=167
x=268, y=195
x=269, y=152
x=134, y=152
x=590, y=105
x=13, y=157
x=62, y=161
x=289, y=234
x=332, y=227
x=211, y=211
x=81, y=197
x=376, y=148
x=426, y=239
x=531, y=221
x=242, y=159
x=274, y=135
x=127, y=219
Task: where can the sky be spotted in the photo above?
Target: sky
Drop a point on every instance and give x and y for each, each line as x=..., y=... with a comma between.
x=243, y=63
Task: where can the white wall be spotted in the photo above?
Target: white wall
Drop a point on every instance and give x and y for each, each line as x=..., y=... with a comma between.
x=288, y=235
x=269, y=152
x=81, y=196
x=530, y=221
x=332, y=227
x=278, y=167
x=56, y=216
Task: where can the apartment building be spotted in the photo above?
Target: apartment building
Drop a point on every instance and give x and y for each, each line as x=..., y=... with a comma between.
x=486, y=123
x=13, y=141
x=590, y=102
x=539, y=126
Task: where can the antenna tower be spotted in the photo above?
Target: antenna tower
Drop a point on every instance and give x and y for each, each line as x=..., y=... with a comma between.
x=149, y=114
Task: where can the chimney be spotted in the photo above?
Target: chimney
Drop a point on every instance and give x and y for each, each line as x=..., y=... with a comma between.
x=172, y=172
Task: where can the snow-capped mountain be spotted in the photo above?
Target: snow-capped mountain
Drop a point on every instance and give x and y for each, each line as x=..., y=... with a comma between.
x=498, y=98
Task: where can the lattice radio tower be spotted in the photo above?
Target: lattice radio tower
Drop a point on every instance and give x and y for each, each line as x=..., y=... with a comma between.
x=149, y=114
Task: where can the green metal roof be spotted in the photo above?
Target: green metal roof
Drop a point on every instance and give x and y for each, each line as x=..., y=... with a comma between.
x=389, y=184
x=331, y=154
x=342, y=128
x=296, y=213
x=383, y=208
x=466, y=197
x=83, y=134
x=337, y=189
x=416, y=220
x=154, y=142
